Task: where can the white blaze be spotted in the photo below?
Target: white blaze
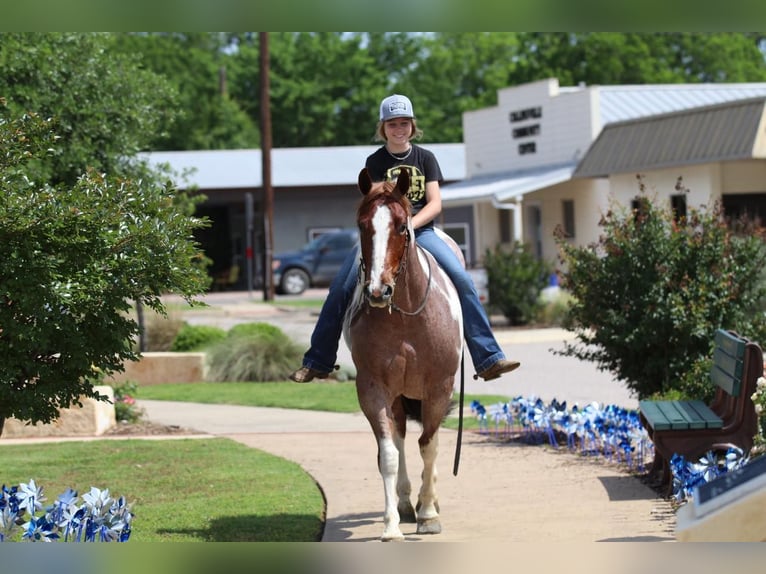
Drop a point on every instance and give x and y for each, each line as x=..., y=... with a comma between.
x=380, y=224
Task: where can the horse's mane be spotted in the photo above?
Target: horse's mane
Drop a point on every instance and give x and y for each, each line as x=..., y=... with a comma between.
x=381, y=193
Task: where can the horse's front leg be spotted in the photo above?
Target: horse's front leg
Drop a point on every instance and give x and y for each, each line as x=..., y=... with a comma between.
x=428, y=503
x=403, y=485
x=388, y=464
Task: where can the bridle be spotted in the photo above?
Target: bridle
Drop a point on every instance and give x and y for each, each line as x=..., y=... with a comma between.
x=392, y=306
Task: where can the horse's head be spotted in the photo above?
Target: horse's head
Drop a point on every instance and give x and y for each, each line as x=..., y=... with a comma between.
x=385, y=232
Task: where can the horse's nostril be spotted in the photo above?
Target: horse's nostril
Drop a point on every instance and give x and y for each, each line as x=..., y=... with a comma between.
x=379, y=297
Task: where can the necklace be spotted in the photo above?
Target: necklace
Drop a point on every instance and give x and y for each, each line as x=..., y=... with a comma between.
x=398, y=157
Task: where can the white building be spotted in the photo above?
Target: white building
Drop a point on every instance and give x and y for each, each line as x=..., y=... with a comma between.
x=548, y=155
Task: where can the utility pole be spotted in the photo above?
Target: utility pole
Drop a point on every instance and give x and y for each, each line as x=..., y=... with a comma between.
x=268, y=191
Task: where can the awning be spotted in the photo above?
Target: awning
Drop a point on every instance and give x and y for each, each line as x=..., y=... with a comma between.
x=500, y=188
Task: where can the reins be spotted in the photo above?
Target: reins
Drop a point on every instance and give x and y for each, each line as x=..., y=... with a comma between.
x=422, y=306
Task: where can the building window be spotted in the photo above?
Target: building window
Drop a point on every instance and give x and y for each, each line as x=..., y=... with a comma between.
x=505, y=225
x=678, y=205
x=459, y=232
x=569, y=217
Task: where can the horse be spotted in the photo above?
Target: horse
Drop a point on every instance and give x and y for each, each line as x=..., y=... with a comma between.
x=405, y=332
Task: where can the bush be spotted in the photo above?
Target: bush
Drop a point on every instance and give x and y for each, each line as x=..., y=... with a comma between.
x=196, y=337
x=516, y=278
x=649, y=295
x=256, y=329
x=162, y=331
x=263, y=354
x=125, y=407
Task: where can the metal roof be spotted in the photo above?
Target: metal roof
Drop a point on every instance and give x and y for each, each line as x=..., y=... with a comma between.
x=626, y=102
x=721, y=132
x=291, y=167
x=505, y=186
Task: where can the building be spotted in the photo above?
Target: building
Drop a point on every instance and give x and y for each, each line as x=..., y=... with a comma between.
x=548, y=155
x=314, y=192
x=544, y=156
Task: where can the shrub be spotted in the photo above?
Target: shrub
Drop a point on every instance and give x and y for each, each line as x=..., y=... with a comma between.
x=553, y=310
x=650, y=293
x=256, y=329
x=516, y=278
x=196, y=337
x=265, y=354
x=162, y=331
x=125, y=407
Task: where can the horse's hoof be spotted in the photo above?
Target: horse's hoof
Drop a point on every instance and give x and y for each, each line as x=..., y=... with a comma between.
x=406, y=513
x=392, y=537
x=429, y=526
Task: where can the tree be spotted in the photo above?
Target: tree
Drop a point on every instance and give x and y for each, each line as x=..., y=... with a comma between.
x=85, y=227
x=71, y=260
x=325, y=87
x=200, y=69
x=649, y=295
x=104, y=106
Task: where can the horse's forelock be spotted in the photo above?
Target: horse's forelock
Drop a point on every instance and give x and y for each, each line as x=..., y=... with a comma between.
x=382, y=193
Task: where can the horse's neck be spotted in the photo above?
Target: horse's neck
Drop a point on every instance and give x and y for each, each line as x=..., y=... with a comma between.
x=412, y=284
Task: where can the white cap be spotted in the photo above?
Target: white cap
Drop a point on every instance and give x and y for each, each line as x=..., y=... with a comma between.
x=396, y=106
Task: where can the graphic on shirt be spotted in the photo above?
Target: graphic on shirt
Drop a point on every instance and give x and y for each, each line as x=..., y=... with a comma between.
x=417, y=189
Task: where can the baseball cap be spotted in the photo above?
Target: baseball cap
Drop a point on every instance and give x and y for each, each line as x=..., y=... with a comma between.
x=396, y=106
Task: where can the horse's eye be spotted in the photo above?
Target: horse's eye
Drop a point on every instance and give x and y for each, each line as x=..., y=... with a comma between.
x=402, y=229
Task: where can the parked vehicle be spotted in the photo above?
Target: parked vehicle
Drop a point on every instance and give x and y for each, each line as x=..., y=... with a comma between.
x=315, y=265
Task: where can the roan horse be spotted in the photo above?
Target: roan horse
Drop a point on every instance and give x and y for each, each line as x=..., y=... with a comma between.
x=405, y=333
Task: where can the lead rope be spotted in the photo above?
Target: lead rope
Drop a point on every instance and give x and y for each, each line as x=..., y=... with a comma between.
x=460, y=415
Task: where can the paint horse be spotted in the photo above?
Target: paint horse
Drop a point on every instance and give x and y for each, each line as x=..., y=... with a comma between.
x=405, y=333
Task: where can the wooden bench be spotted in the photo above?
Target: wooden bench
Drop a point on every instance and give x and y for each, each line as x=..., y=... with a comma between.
x=692, y=428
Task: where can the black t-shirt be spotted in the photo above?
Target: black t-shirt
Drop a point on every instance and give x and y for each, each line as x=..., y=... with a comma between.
x=421, y=165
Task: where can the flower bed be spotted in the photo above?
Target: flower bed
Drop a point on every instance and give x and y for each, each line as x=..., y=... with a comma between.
x=612, y=432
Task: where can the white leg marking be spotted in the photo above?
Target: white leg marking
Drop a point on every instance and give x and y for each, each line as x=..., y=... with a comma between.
x=388, y=462
x=427, y=499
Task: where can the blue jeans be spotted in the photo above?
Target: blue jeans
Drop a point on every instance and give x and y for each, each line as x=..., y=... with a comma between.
x=482, y=345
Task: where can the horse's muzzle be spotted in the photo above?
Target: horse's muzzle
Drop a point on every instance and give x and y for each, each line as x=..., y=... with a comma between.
x=379, y=297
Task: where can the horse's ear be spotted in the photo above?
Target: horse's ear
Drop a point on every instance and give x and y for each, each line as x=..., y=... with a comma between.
x=364, y=181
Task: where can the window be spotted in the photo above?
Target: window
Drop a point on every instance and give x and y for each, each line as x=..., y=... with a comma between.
x=569, y=217
x=459, y=232
x=678, y=205
x=505, y=225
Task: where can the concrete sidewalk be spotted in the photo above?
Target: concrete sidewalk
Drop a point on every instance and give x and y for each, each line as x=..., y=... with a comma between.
x=503, y=492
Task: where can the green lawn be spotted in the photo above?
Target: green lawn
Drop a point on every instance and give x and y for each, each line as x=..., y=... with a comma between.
x=192, y=490
x=334, y=397
x=199, y=490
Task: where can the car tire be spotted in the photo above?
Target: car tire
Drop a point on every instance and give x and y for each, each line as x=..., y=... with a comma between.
x=294, y=282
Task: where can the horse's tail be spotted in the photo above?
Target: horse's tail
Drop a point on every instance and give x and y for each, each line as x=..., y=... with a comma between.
x=412, y=408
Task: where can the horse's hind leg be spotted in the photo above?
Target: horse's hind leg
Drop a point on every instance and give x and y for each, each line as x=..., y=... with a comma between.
x=428, y=504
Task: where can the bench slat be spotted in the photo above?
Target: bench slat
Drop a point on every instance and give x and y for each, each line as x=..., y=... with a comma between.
x=729, y=343
x=653, y=415
x=729, y=364
x=701, y=415
x=724, y=380
x=674, y=416
x=679, y=415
